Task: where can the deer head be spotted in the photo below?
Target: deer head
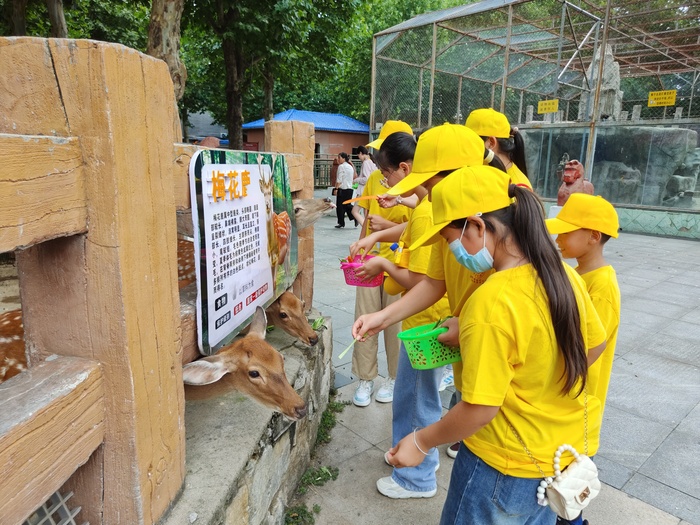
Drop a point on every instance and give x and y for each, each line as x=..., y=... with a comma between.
x=254, y=368
x=287, y=312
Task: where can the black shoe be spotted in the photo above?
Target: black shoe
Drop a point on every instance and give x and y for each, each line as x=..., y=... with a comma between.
x=356, y=223
x=339, y=226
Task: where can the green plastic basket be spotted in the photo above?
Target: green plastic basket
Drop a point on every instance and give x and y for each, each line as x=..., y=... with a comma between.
x=424, y=350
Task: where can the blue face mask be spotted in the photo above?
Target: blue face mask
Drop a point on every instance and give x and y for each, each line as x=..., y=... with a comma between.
x=481, y=261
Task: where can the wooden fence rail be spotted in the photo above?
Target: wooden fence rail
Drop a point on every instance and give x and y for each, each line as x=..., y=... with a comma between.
x=87, y=131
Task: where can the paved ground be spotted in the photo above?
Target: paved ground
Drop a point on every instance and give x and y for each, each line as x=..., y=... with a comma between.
x=649, y=458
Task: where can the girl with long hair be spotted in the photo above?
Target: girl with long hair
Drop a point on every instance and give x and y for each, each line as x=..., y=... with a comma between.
x=527, y=336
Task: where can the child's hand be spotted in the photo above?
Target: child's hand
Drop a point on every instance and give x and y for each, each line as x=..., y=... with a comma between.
x=378, y=223
x=371, y=268
x=368, y=325
x=405, y=453
x=387, y=201
x=451, y=337
x=365, y=244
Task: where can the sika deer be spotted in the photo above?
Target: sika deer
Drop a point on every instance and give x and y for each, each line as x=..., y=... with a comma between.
x=254, y=368
x=13, y=359
x=287, y=312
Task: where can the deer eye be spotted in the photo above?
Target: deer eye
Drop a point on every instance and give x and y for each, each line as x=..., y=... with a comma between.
x=254, y=373
x=283, y=315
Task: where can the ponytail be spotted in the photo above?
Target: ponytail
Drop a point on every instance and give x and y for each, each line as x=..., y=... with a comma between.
x=345, y=156
x=514, y=147
x=525, y=220
x=493, y=160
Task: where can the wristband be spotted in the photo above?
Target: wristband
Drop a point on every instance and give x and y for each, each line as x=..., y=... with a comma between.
x=415, y=442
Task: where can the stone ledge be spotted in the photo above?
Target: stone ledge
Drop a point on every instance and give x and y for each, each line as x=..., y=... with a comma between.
x=243, y=462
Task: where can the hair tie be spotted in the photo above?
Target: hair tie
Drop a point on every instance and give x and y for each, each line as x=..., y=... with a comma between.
x=489, y=157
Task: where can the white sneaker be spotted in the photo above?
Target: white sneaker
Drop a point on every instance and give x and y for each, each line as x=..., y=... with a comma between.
x=391, y=489
x=386, y=393
x=448, y=379
x=363, y=393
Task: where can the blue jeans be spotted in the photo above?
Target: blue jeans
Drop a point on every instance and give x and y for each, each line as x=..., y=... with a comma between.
x=480, y=495
x=416, y=405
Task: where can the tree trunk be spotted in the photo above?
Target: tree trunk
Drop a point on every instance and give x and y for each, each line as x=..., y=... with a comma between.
x=268, y=88
x=59, y=29
x=164, y=40
x=233, y=64
x=19, y=17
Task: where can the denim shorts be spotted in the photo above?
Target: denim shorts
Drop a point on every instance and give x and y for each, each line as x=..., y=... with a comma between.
x=481, y=495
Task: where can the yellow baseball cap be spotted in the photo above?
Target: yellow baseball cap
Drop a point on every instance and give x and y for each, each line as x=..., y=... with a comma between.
x=488, y=122
x=389, y=127
x=585, y=211
x=466, y=192
x=446, y=147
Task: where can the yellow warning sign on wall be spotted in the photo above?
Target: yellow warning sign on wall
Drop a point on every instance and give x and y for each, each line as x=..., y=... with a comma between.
x=548, y=106
x=662, y=98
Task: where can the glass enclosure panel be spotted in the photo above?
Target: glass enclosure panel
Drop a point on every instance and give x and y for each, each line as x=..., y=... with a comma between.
x=648, y=165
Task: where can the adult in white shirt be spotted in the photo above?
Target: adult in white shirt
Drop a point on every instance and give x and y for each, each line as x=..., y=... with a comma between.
x=344, y=178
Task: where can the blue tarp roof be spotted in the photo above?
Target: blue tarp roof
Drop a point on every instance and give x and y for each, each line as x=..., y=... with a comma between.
x=321, y=121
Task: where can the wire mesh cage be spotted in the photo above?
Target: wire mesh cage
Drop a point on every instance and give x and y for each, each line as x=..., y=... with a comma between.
x=574, y=76
x=55, y=511
x=438, y=65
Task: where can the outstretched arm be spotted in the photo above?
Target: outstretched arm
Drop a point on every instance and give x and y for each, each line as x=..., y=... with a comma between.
x=463, y=420
x=424, y=294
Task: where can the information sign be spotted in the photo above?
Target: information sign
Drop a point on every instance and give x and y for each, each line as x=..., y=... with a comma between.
x=548, y=106
x=246, y=251
x=662, y=98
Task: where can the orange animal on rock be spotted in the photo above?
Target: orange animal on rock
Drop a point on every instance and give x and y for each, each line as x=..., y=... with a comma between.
x=573, y=182
x=253, y=367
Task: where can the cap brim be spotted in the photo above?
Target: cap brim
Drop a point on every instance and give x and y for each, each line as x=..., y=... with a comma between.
x=376, y=144
x=557, y=226
x=408, y=183
x=431, y=236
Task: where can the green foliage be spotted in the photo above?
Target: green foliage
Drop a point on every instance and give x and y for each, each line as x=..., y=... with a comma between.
x=328, y=421
x=316, y=477
x=300, y=515
x=318, y=323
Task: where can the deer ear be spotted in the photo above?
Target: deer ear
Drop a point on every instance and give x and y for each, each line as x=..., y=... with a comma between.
x=259, y=325
x=203, y=372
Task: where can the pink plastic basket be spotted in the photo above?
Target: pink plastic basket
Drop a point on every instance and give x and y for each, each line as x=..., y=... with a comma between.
x=350, y=277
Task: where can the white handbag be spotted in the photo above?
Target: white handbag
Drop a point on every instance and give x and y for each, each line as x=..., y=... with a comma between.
x=570, y=491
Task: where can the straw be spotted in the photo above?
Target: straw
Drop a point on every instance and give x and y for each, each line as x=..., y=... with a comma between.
x=342, y=354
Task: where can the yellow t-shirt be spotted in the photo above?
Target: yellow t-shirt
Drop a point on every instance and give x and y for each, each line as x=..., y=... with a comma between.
x=419, y=261
x=459, y=282
x=605, y=293
x=517, y=176
x=397, y=214
x=511, y=359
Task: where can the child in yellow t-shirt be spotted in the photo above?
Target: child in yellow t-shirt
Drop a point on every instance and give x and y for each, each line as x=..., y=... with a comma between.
x=527, y=336
x=372, y=299
x=416, y=397
x=583, y=226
